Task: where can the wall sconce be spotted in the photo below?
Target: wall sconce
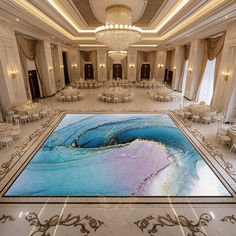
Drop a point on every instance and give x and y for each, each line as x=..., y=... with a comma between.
x=50, y=68
x=131, y=66
x=225, y=75
x=13, y=73
x=74, y=66
x=160, y=65
x=190, y=70
x=62, y=67
x=174, y=67
x=102, y=65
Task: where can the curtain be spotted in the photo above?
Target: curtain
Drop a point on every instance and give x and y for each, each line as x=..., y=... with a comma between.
x=28, y=49
x=109, y=68
x=186, y=51
x=82, y=63
x=184, y=59
x=124, y=68
x=212, y=50
x=184, y=79
x=207, y=84
x=139, y=64
x=24, y=67
x=151, y=59
x=93, y=59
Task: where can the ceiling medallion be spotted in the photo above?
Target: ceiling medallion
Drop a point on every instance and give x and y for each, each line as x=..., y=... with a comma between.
x=118, y=33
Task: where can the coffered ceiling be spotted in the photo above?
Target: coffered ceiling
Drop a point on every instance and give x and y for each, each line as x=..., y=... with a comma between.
x=163, y=21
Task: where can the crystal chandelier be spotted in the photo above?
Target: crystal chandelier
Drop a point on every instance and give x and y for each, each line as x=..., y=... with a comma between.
x=117, y=56
x=118, y=33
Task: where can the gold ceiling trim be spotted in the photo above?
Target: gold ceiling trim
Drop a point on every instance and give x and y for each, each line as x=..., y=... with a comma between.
x=42, y=16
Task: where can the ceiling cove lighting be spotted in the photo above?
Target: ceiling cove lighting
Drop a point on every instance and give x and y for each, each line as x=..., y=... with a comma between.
x=118, y=33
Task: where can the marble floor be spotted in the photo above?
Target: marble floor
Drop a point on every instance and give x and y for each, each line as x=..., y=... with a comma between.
x=68, y=217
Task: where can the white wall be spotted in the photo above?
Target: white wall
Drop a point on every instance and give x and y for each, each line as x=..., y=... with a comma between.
x=132, y=60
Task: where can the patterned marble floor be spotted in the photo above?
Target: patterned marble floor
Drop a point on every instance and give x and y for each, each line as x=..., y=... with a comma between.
x=70, y=218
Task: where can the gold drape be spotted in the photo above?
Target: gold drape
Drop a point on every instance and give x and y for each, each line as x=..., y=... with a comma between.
x=186, y=51
x=184, y=57
x=124, y=68
x=212, y=50
x=109, y=68
x=28, y=48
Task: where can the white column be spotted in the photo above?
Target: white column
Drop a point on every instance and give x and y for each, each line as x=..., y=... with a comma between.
x=12, y=89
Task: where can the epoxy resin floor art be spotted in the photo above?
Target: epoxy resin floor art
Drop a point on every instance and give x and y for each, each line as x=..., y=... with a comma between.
x=117, y=155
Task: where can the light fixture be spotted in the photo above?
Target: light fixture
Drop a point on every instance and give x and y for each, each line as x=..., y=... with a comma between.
x=102, y=65
x=118, y=33
x=190, y=69
x=74, y=66
x=17, y=19
x=62, y=67
x=117, y=56
x=225, y=76
x=50, y=68
x=174, y=67
x=160, y=65
x=13, y=73
x=131, y=66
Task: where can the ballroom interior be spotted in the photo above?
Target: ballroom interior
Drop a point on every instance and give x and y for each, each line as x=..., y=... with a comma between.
x=117, y=117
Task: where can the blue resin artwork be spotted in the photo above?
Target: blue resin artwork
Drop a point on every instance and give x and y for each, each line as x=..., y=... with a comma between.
x=117, y=155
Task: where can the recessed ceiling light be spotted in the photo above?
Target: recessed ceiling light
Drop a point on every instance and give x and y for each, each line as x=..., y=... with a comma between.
x=226, y=17
x=53, y=37
x=17, y=19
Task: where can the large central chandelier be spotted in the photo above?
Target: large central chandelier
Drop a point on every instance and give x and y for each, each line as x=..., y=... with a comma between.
x=118, y=33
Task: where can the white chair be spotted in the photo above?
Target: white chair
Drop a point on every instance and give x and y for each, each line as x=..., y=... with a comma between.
x=108, y=99
x=24, y=117
x=43, y=113
x=233, y=147
x=68, y=98
x=35, y=116
x=207, y=117
x=7, y=140
x=225, y=139
x=125, y=99
x=15, y=133
x=196, y=116
x=75, y=97
x=62, y=98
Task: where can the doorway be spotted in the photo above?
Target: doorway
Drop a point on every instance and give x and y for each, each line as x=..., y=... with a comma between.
x=88, y=71
x=145, y=72
x=66, y=73
x=34, y=84
x=117, y=71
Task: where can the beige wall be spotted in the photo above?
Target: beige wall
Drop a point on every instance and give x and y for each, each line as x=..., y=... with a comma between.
x=160, y=59
x=73, y=58
x=102, y=64
x=132, y=60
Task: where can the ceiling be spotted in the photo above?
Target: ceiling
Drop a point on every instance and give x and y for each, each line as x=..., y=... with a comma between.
x=164, y=22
